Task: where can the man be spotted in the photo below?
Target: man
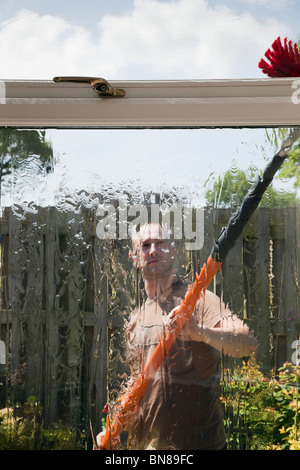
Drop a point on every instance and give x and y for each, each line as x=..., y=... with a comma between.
x=181, y=408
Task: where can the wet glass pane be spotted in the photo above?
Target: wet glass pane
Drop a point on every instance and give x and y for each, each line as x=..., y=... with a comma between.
x=102, y=234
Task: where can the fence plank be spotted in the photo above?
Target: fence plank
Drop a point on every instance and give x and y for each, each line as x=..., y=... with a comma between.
x=97, y=393
x=291, y=278
x=33, y=258
x=257, y=282
x=233, y=280
x=278, y=231
x=16, y=291
x=52, y=323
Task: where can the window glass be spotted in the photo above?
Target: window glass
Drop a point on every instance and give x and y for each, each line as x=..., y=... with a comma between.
x=88, y=290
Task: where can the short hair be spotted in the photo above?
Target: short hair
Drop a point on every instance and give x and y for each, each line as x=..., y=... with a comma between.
x=145, y=233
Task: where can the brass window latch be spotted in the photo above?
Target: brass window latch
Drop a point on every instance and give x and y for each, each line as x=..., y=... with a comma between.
x=99, y=85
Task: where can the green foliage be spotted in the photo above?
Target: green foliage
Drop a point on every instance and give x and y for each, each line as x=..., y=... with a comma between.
x=18, y=147
x=261, y=413
x=230, y=190
x=291, y=166
x=22, y=428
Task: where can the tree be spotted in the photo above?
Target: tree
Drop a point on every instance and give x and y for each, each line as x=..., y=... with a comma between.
x=18, y=146
x=291, y=166
x=230, y=190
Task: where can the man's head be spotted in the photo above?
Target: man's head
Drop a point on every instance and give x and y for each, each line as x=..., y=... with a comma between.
x=153, y=251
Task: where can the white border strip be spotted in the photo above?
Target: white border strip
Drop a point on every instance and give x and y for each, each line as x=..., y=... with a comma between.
x=2, y=92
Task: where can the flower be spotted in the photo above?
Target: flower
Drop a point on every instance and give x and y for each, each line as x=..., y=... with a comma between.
x=106, y=408
x=284, y=59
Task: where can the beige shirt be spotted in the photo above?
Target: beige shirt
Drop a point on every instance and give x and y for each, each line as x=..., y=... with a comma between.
x=181, y=408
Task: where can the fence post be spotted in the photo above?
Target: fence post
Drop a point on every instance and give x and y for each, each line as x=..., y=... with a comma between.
x=25, y=293
x=98, y=361
x=257, y=282
x=232, y=274
x=290, y=291
x=51, y=318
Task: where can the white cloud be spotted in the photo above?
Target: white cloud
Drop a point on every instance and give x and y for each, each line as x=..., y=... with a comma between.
x=33, y=46
x=188, y=39
x=167, y=40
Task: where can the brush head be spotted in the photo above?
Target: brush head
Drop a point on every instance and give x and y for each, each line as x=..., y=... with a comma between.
x=284, y=59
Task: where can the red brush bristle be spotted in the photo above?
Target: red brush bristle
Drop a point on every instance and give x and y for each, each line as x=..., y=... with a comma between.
x=284, y=60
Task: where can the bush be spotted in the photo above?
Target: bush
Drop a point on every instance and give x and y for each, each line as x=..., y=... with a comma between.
x=21, y=428
x=261, y=412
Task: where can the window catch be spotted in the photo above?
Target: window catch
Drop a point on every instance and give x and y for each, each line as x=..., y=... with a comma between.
x=99, y=85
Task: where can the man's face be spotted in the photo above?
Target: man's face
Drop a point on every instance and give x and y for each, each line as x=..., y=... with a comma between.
x=155, y=255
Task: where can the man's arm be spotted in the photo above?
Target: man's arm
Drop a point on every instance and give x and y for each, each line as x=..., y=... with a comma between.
x=233, y=337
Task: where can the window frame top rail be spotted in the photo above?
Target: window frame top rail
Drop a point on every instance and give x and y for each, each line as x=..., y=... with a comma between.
x=152, y=104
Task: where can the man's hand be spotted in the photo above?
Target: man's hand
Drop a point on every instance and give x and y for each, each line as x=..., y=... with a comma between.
x=233, y=337
x=99, y=440
x=191, y=330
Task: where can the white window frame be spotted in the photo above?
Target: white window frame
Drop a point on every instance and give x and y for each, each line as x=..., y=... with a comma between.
x=151, y=104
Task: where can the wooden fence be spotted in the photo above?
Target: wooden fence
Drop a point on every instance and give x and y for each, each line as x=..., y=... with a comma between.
x=65, y=294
